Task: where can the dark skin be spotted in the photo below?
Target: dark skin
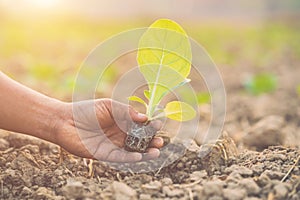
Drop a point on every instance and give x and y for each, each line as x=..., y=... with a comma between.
x=90, y=129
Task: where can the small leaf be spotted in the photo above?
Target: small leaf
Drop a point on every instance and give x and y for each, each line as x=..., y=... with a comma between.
x=298, y=90
x=137, y=99
x=179, y=111
x=261, y=83
x=147, y=94
x=203, y=98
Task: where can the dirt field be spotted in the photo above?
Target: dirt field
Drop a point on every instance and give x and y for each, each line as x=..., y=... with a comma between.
x=266, y=130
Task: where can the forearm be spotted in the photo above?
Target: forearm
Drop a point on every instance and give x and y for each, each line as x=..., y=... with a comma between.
x=26, y=111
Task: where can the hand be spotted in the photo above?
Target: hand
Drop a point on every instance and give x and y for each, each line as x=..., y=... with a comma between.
x=97, y=129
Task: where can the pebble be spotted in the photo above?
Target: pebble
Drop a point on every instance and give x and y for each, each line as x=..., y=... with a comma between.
x=280, y=191
x=250, y=186
x=154, y=185
x=215, y=197
x=234, y=194
x=172, y=192
x=251, y=198
x=274, y=174
x=243, y=171
x=234, y=177
x=258, y=168
x=73, y=189
x=26, y=191
x=268, y=127
x=166, y=181
x=123, y=191
x=198, y=190
x=263, y=180
x=145, y=197
x=213, y=188
x=196, y=175
x=44, y=193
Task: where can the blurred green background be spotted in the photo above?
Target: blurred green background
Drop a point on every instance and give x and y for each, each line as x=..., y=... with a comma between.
x=43, y=42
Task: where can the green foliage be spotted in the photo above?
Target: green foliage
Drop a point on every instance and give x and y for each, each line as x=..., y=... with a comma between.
x=63, y=42
x=179, y=111
x=298, y=90
x=203, y=98
x=164, y=57
x=261, y=83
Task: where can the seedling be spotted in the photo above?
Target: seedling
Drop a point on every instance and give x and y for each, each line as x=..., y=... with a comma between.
x=261, y=83
x=164, y=58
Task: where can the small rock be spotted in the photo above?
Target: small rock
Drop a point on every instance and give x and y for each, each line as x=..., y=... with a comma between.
x=196, y=175
x=44, y=193
x=251, y=198
x=172, y=192
x=267, y=132
x=123, y=191
x=73, y=189
x=215, y=197
x=234, y=177
x=145, y=197
x=234, y=194
x=25, y=192
x=4, y=144
x=213, y=188
x=274, y=174
x=198, y=190
x=191, y=145
x=280, y=191
x=250, y=186
x=243, y=171
x=166, y=181
x=275, y=157
x=258, y=168
x=154, y=185
x=263, y=180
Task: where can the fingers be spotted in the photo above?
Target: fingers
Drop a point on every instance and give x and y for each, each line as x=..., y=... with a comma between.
x=151, y=153
x=124, y=156
x=157, y=142
x=136, y=116
x=156, y=124
x=123, y=111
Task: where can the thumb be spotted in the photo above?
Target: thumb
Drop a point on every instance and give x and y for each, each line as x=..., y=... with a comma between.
x=123, y=111
x=136, y=116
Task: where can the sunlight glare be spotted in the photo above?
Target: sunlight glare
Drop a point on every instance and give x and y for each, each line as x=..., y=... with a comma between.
x=43, y=3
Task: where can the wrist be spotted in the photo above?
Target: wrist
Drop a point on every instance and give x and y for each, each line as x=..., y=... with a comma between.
x=58, y=116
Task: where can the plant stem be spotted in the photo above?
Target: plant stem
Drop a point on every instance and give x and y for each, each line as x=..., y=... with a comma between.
x=150, y=107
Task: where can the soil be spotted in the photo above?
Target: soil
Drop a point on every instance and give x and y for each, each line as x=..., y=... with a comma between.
x=258, y=159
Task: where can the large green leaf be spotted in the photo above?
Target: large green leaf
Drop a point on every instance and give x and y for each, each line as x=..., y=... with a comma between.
x=164, y=57
x=179, y=111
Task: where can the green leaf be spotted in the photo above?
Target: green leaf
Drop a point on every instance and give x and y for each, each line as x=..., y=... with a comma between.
x=203, y=98
x=298, y=90
x=137, y=99
x=179, y=111
x=147, y=94
x=261, y=83
x=164, y=57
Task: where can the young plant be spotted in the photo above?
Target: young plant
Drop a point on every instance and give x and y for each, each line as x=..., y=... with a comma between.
x=261, y=83
x=164, y=57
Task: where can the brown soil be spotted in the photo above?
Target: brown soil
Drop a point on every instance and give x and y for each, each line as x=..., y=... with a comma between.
x=266, y=130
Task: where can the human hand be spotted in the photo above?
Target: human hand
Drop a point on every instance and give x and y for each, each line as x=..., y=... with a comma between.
x=97, y=129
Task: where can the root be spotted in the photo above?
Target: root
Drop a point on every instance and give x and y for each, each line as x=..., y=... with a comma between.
x=290, y=170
